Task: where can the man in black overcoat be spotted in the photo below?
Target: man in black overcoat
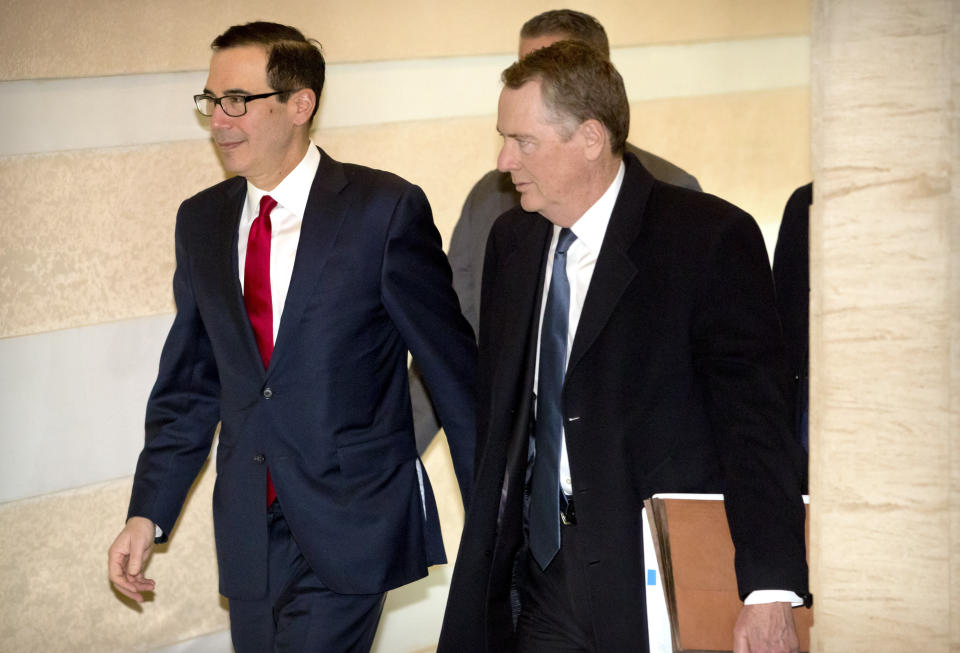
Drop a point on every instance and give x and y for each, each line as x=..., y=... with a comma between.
x=668, y=377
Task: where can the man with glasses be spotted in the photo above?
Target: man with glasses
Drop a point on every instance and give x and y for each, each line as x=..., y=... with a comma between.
x=301, y=284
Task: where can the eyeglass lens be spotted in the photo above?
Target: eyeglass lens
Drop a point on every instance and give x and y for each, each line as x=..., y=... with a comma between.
x=233, y=105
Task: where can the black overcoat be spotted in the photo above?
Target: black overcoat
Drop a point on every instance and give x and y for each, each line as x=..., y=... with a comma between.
x=675, y=383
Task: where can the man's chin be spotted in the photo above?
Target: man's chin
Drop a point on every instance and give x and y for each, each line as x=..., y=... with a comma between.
x=529, y=204
x=229, y=162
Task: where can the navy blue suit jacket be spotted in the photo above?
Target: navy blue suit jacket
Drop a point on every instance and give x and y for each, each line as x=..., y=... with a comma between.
x=331, y=415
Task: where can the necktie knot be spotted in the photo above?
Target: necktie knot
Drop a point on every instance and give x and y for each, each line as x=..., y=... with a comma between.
x=267, y=204
x=565, y=240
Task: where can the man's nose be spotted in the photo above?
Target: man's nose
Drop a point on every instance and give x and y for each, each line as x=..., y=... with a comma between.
x=219, y=117
x=507, y=159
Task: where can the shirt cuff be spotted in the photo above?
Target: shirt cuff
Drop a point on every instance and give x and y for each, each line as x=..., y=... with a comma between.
x=757, y=597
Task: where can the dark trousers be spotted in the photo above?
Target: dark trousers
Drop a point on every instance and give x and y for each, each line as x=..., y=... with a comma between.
x=300, y=613
x=555, y=602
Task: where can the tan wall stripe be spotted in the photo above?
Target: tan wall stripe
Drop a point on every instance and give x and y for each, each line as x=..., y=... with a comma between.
x=94, y=241
x=73, y=38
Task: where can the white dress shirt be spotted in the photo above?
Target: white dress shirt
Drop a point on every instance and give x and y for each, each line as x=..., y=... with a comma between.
x=581, y=260
x=291, y=195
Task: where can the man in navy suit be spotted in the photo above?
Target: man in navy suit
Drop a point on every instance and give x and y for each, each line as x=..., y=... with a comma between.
x=301, y=285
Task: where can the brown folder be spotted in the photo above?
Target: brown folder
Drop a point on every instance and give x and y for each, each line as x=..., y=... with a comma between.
x=695, y=554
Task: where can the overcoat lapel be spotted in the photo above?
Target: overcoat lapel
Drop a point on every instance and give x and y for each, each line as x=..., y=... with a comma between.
x=615, y=270
x=522, y=270
x=323, y=217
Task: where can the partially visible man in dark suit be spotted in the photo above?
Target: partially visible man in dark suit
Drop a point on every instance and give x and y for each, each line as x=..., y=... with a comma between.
x=791, y=278
x=629, y=344
x=494, y=194
x=300, y=286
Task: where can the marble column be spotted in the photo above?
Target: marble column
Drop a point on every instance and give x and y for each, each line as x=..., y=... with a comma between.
x=885, y=326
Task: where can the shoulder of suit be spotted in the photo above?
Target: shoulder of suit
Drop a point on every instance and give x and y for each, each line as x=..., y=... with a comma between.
x=218, y=192
x=663, y=170
x=493, y=194
x=514, y=221
x=687, y=209
x=677, y=206
x=364, y=174
x=493, y=181
x=490, y=178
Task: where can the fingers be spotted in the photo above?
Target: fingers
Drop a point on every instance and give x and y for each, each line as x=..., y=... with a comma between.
x=134, y=587
x=134, y=561
x=126, y=558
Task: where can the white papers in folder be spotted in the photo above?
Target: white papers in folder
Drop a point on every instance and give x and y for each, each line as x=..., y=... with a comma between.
x=658, y=620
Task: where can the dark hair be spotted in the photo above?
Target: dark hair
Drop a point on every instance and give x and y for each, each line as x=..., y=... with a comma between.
x=570, y=24
x=293, y=61
x=578, y=83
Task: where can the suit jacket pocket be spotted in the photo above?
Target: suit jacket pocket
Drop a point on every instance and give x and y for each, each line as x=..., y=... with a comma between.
x=379, y=453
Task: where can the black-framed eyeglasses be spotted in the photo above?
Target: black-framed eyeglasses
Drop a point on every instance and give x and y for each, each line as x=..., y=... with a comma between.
x=232, y=105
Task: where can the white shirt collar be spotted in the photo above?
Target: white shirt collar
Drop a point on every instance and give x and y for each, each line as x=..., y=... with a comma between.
x=592, y=225
x=293, y=192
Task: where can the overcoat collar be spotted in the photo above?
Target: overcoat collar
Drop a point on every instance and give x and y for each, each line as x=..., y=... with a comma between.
x=522, y=269
x=614, y=271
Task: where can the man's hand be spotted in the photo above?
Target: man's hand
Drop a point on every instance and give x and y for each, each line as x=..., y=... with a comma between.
x=765, y=628
x=127, y=556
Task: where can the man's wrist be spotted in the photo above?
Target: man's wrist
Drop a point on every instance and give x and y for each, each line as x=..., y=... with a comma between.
x=757, y=597
x=157, y=531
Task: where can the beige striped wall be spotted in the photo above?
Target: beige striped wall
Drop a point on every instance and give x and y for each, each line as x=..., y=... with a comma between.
x=98, y=145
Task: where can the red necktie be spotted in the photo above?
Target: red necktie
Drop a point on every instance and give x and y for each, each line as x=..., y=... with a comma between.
x=256, y=292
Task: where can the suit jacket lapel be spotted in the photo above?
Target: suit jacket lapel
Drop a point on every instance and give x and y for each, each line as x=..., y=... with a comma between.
x=323, y=217
x=224, y=248
x=614, y=270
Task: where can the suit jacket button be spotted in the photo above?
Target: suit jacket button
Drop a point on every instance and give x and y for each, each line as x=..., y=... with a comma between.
x=267, y=393
x=259, y=459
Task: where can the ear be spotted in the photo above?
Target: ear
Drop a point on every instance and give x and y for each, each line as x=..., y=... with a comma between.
x=301, y=105
x=595, y=138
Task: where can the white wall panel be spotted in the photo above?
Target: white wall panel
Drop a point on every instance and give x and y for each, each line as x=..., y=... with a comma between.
x=53, y=115
x=72, y=404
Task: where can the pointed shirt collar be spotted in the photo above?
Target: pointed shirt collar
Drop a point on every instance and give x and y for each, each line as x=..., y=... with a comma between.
x=592, y=225
x=291, y=193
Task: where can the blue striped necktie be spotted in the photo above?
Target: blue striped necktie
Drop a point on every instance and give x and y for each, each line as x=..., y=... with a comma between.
x=544, y=512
